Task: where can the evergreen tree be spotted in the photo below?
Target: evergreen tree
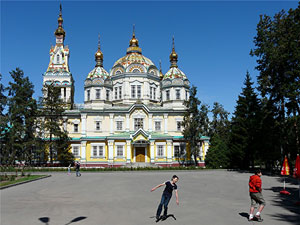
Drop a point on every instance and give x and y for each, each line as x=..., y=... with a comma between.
x=3, y=124
x=51, y=118
x=270, y=149
x=277, y=47
x=244, y=136
x=220, y=123
x=22, y=111
x=218, y=153
x=191, y=124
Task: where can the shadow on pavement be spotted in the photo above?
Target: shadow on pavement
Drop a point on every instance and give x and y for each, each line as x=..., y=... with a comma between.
x=46, y=220
x=244, y=214
x=287, y=202
x=162, y=218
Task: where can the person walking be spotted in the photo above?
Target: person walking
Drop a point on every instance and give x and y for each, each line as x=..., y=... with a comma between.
x=256, y=196
x=166, y=196
x=78, y=174
x=69, y=169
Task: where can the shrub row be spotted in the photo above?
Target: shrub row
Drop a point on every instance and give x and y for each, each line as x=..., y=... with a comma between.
x=87, y=169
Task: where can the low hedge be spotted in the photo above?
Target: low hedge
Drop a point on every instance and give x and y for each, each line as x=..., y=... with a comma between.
x=91, y=169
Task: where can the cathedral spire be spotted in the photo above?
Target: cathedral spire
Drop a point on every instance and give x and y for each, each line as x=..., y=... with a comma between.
x=99, y=55
x=173, y=55
x=60, y=33
x=134, y=44
x=161, y=75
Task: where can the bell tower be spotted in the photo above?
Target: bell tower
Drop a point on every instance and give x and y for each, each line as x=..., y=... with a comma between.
x=58, y=72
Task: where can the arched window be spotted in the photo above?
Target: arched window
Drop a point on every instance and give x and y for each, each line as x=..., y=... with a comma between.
x=136, y=71
x=57, y=58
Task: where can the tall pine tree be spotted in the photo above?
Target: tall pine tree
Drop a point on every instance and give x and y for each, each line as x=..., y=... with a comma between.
x=217, y=154
x=244, y=136
x=51, y=118
x=277, y=48
x=191, y=124
x=3, y=124
x=22, y=111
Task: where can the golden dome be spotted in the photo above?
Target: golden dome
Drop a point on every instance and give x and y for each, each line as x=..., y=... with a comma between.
x=99, y=54
x=60, y=30
x=60, y=19
x=133, y=42
x=173, y=56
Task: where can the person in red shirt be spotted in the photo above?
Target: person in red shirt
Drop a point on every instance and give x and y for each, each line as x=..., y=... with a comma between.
x=256, y=196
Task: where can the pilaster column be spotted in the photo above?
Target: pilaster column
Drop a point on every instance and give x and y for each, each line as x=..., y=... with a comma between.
x=150, y=122
x=169, y=150
x=127, y=122
x=128, y=144
x=110, y=151
x=166, y=122
x=83, y=125
x=83, y=151
x=152, y=151
x=111, y=117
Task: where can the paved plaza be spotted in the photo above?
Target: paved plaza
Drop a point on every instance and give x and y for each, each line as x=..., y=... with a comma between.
x=123, y=198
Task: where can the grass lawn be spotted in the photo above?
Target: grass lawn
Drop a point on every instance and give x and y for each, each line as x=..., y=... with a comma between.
x=20, y=179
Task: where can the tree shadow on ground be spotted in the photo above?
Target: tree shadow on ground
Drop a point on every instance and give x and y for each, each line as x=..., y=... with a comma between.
x=161, y=218
x=47, y=219
x=288, y=180
x=287, y=202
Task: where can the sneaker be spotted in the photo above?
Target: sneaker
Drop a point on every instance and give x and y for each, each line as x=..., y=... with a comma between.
x=157, y=219
x=259, y=219
x=251, y=219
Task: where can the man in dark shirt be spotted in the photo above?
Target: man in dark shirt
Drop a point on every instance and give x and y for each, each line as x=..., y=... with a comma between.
x=78, y=169
x=166, y=196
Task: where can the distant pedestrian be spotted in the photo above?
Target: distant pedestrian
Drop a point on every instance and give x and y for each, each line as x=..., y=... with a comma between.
x=256, y=196
x=78, y=174
x=69, y=169
x=166, y=196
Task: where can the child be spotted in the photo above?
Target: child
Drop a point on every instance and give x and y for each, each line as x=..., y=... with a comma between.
x=166, y=196
x=256, y=195
x=69, y=169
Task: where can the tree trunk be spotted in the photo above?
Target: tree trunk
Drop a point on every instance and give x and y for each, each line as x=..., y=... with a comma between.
x=195, y=158
x=296, y=133
x=50, y=149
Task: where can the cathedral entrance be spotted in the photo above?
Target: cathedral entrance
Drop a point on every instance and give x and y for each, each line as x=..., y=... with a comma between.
x=140, y=154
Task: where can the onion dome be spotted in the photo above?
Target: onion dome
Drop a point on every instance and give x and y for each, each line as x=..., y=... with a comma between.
x=134, y=44
x=99, y=55
x=174, y=72
x=134, y=61
x=98, y=71
x=60, y=30
x=173, y=56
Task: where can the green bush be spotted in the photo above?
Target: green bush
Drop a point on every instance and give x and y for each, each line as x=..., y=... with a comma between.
x=12, y=178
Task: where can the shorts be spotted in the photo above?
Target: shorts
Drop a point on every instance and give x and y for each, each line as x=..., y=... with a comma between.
x=257, y=198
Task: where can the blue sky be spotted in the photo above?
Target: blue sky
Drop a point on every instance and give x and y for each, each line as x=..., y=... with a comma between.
x=212, y=38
